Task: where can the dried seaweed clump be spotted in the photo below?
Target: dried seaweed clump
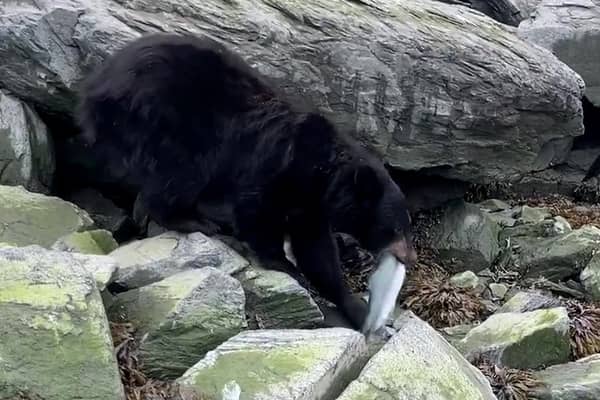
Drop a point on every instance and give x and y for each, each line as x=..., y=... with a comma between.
x=584, y=328
x=430, y=295
x=509, y=383
x=137, y=385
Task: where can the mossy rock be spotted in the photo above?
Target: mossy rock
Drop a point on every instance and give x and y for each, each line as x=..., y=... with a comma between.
x=143, y=262
x=98, y=241
x=56, y=342
x=521, y=340
x=289, y=364
x=275, y=300
x=182, y=318
x=33, y=218
x=418, y=363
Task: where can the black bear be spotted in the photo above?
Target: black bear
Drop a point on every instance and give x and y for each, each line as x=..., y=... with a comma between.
x=206, y=138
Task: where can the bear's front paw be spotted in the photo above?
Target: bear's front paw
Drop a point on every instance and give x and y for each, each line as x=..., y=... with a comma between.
x=356, y=310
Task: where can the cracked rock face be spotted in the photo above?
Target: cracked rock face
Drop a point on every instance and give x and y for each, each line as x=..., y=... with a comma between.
x=442, y=86
x=26, y=154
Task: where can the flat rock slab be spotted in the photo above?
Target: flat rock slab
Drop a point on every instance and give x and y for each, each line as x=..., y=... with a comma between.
x=294, y=364
x=578, y=380
x=32, y=218
x=26, y=153
x=417, y=363
x=521, y=340
x=275, y=300
x=56, y=342
x=149, y=260
x=102, y=268
x=181, y=318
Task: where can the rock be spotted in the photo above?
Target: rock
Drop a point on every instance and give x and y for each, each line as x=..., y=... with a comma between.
x=102, y=268
x=417, y=363
x=466, y=238
x=498, y=290
x=454, y=334
x=526, y=340
x=590, y=277
x=559, y=257
x=105, y=213
x=529, y=234
x=181, y=318
x=528, y=301
x=275, y=300
x=494, y=205
x=466, y=280
x=33, y=218
x=505, y=11
x=97, y=241
x=509, y=108
x=578, y=380
x=570, y=31
x=26, y=153
x=149, y=260
x=56, y=342
x=289, y=364
x=533, y=215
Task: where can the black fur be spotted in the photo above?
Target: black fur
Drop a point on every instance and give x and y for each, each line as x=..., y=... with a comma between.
x=206, y=138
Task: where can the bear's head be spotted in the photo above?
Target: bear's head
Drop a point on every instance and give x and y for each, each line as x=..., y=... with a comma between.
x=366, y=203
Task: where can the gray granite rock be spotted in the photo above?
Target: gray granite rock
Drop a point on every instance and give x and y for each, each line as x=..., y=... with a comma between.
x=505, y=110
x=571, y=30
x=26, y=152
x=573, y=381
x=417, y=363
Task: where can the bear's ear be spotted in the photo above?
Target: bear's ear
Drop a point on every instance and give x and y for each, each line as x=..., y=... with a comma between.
x=367, y=183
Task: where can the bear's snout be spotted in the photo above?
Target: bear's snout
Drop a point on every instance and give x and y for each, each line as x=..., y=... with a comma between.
x=404, y=251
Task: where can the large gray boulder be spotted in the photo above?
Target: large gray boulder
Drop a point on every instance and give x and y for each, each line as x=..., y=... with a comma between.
x=572, y=31
x=427, y=84
x=26, y=153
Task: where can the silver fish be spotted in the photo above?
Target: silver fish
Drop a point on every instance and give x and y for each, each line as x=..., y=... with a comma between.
x=384, y=286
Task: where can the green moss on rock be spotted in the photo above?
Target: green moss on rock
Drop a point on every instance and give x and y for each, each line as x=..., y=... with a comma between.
x=291, y=364
x=56, y=342
x=99, y=242
x=182, y=317
x=522, y=340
